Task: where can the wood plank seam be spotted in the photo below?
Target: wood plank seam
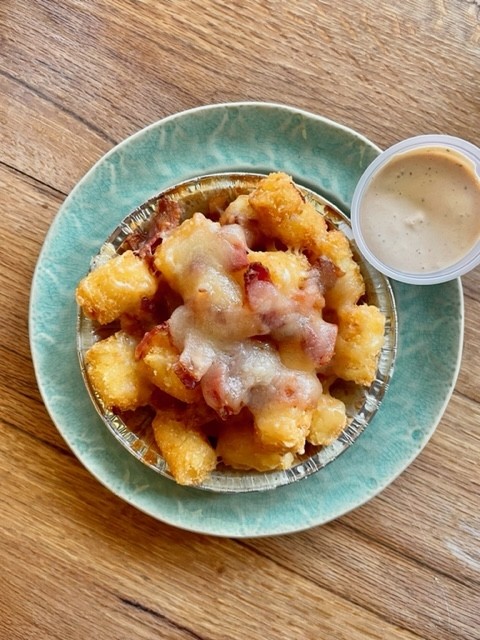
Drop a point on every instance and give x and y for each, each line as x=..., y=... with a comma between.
x=76, y=116
x=141, y=607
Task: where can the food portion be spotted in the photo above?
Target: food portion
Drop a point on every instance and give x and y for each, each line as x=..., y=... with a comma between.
x=233, y=327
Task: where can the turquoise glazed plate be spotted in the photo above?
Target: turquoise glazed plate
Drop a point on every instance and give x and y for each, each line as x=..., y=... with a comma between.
x=258, y=138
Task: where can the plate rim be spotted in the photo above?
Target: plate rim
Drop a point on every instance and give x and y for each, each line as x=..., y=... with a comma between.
x=48, y=239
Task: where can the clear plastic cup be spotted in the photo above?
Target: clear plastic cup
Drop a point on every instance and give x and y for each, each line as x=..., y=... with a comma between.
x=467, y=262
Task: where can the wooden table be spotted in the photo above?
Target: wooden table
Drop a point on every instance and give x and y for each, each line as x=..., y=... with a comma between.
x=76, y=561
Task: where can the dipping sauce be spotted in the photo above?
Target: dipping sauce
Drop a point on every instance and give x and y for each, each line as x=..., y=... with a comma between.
x=421, y=211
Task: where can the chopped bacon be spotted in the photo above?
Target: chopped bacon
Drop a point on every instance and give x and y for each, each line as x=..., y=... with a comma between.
x=234, y=248
x=291, y=318
x=145, y=241
x=263, y=296
x=185, y=376
x=217, y=386
x=256, y=272
x=318, y=339
x=251, y=370
x=145, y=343
x=327, y=272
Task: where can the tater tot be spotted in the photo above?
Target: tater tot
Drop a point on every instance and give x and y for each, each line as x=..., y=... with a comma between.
x=359, y=341
x=350, y=286
x=160, y=358
x=281, y=426
x=116, y=287
x=117, y=376
x=288, y=270
x=188, y=454
x=283, y=213
x=240, y=448
x=328, y=421
x=195, y=260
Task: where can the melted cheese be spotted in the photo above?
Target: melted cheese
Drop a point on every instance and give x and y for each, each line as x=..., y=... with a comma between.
x=230, y=300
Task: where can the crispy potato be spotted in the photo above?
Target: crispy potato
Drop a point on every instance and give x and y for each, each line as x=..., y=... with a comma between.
x=240, y=448
x=189, y=455
x=328, y=420
x=349, y=287
x=118, y=377
x=288, y=269
x=360, y=338
x=293, y=356
x=160, y=357
x=240, y=212
x=115, y=287
x=282, y=427
x=283, y=213
x=193, y=260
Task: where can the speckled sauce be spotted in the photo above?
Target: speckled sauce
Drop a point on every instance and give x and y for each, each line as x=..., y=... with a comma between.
x=421, y=211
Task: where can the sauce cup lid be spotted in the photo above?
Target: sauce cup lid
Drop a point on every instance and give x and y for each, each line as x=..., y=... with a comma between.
x=462, y=266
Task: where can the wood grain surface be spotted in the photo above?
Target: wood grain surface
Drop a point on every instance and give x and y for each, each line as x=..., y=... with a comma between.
x=76, y=562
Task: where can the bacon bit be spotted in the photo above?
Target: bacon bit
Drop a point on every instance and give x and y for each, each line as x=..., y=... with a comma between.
x=328, y=272
x=238, y=258
x=185, y=376
x=144, y=345
x=216, y=392
x=233, y=248
x=262, y=295
x=255, y=272
x=318, y=340
x=256, y=279
x=145, y=241
x=286, y=317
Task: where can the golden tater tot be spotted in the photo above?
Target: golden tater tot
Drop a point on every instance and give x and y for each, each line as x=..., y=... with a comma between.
x=116, y=375
x=239, y=447
x=293, y=356
x=350, y=286
x=282, y=427
x=195, y=260
x=288, y=270
x=241, y=212
x=199, y=415
x=360, y=338
x=328, y=421
x=283, y=213
x=189, y=455
x=115, y=287
x=160, y=358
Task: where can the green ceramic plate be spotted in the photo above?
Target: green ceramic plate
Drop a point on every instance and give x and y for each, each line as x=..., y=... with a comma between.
x=258, y=138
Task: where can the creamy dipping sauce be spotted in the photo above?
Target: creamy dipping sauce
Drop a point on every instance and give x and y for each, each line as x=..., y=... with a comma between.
x=421, y=211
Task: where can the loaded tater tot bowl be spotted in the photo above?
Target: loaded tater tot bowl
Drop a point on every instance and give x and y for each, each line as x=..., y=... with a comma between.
x=231, y=337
